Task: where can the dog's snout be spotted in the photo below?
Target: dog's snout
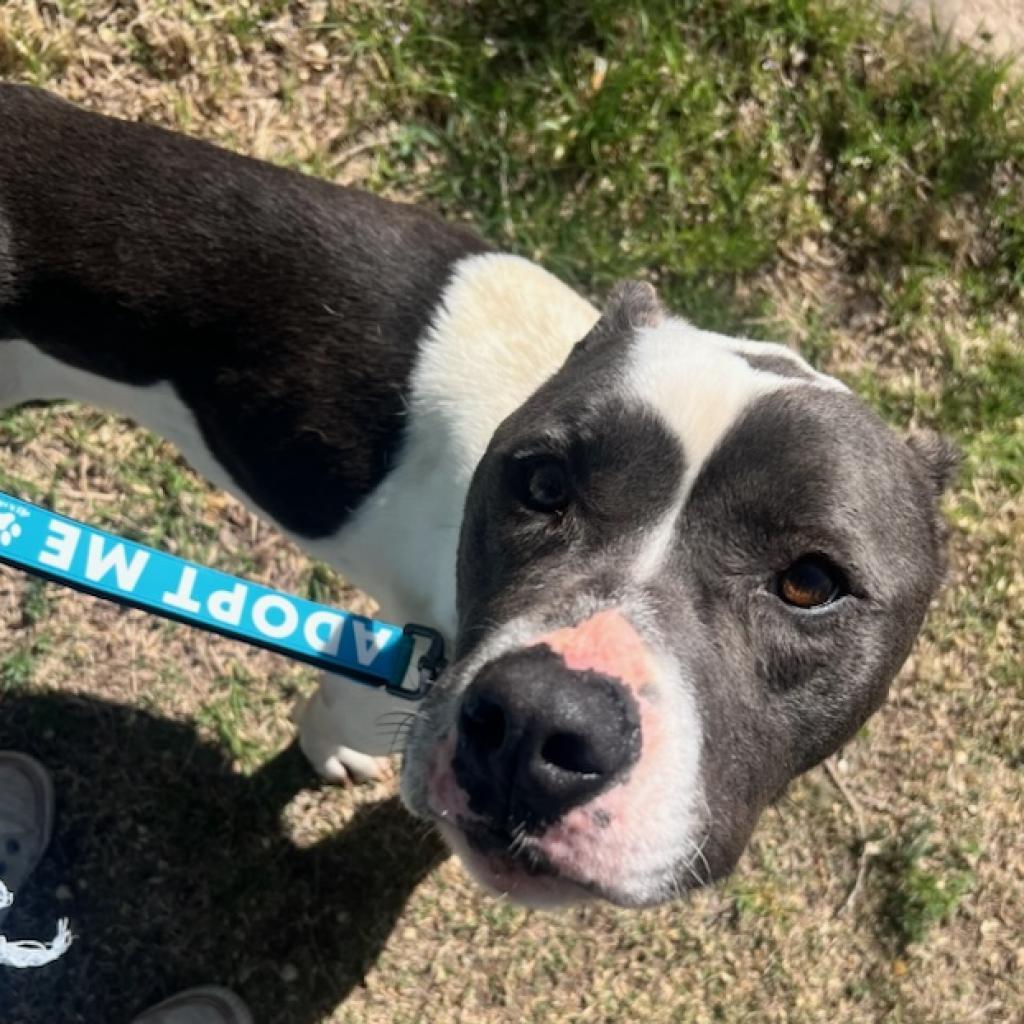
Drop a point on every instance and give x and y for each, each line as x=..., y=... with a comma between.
x=536, y=738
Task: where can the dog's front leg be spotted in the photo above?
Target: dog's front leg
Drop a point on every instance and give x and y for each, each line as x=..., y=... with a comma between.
x=341, y=721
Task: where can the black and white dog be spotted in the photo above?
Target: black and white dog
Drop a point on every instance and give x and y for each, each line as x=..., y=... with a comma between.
x=678, y=568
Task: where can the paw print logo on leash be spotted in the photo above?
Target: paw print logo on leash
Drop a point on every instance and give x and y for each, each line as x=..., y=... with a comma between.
x=9, y=529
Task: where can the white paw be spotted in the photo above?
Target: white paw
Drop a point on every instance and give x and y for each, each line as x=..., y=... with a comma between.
x=344, y=728
x=344, y=766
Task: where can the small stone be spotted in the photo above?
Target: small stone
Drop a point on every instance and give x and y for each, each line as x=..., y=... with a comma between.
x=289, y=973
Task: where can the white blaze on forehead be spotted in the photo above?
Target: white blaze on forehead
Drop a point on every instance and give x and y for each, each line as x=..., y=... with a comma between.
x=699, y=384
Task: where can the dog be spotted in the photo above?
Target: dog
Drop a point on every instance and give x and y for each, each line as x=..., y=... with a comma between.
x=677, y=569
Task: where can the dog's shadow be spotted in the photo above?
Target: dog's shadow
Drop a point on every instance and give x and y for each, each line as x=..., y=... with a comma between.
x=176, y=870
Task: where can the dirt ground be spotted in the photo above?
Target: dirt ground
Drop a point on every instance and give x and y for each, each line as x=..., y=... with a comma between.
x=997, y=25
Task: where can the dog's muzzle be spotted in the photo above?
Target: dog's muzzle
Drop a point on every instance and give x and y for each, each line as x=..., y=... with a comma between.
x=564, y=766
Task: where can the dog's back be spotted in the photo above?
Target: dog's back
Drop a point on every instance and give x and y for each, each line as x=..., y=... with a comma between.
x=283, y=311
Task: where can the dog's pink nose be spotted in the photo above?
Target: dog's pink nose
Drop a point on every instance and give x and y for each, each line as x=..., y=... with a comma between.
x=605, y=643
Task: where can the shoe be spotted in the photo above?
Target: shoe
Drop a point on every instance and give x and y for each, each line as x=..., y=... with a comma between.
x=26, y=818
x=209, y=1004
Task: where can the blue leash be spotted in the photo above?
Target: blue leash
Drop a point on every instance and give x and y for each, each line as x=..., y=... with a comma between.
x=402, y=661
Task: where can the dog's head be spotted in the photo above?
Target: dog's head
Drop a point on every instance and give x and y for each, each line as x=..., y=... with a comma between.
x=689, y=568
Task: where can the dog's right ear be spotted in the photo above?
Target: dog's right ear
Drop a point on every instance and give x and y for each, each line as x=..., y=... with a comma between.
x=634, y=304
x=630, y=305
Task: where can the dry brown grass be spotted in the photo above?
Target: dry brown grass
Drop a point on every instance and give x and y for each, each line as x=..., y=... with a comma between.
x=188, y=850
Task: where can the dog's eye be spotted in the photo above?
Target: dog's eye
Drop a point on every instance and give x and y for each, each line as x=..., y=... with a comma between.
x=810, y=582
x=544, y=484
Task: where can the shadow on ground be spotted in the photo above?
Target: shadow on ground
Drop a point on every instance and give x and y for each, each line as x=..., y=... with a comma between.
x=175, y=871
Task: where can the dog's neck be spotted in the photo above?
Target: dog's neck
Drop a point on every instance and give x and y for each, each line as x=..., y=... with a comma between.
x=503, y=326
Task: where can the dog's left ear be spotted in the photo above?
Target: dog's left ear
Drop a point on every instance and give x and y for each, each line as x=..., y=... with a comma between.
x=939, y=457
x=630, y=305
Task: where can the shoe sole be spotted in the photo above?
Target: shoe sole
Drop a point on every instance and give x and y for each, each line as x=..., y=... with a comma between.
x=42, y=787
x=232, y=1009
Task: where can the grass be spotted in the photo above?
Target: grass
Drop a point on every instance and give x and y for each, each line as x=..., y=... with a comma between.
x=983, y=409
x=749, y=129
x=18, y=668
x=35, y=602
x=924, y=885
x=790, y=168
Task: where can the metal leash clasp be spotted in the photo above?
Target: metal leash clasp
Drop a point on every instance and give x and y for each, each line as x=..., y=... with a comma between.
x=423, y=671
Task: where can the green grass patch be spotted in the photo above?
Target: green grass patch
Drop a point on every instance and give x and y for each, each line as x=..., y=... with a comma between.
x=249, y=22
x=241, y=710
x=30, y=56
x=18, y=668
x=323, y=585
x=36, y=603
x=687, y=142
x=922, y=885
x=227, y=715
x=981, y=405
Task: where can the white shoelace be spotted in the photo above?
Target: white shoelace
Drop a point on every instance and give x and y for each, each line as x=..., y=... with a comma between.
x=29, y=953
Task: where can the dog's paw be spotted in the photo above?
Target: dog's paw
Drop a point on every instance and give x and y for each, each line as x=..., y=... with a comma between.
x=320, y=733
x=344, y=766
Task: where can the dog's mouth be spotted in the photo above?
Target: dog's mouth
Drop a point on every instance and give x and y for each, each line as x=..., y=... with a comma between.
x=515, y=867
x=507, y=863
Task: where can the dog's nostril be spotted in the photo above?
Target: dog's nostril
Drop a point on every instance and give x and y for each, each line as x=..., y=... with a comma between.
x=570, y=752
x=484, y=722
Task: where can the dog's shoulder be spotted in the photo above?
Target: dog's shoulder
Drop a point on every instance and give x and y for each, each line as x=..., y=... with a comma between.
x=503, y=326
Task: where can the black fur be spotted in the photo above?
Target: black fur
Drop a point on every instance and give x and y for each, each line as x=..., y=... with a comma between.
x=781, y=366
x=284, y=310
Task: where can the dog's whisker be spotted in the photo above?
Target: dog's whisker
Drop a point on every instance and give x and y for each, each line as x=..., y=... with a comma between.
x=518, y=839
x=396, y=723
